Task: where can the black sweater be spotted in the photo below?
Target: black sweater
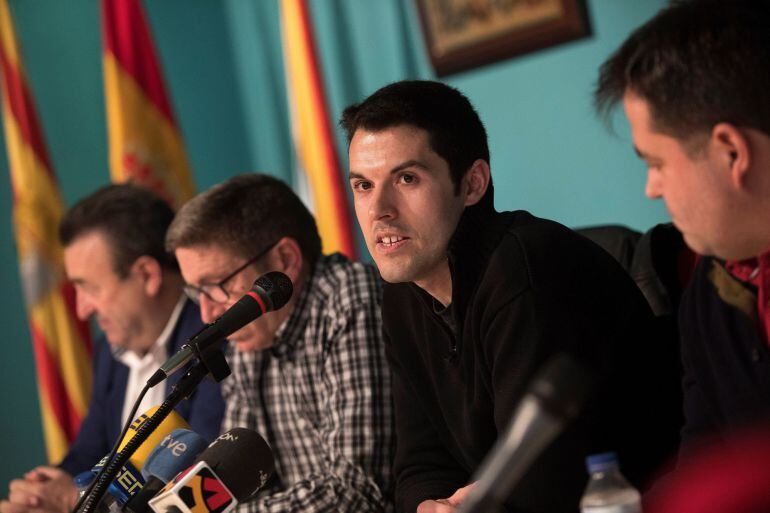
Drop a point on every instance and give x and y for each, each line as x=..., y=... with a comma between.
x=726, y=361
x=523, y=289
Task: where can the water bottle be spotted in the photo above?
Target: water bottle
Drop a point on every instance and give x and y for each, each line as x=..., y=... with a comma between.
x=108, y=504
x=607, y=490
x=82, y=481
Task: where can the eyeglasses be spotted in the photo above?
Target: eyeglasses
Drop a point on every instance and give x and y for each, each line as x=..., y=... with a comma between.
x=216, y=292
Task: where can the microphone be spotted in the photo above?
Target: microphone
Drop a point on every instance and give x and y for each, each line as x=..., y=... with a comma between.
x=129, y=480
x=170, y=423
x=554, y=398
x=173, y=454
x=231, y=470
x=127, y=483
x=270, y=292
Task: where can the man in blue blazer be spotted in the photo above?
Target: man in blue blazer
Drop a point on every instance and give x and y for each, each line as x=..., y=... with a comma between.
x=103, y=423
x=125, y=280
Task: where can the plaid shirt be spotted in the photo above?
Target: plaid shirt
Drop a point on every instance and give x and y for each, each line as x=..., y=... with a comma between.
x=320, y=396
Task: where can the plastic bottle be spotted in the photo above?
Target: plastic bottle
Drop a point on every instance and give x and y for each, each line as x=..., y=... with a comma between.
x=82, y=481
x=108, y=504
x=607, y=490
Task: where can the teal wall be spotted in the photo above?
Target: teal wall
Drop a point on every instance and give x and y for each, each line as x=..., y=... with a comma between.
x=550, y=153
x=222, y=61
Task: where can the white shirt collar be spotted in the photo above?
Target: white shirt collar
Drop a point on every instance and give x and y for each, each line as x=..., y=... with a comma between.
x=140, y=368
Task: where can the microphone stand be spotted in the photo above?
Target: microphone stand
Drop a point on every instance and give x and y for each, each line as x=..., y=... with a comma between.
x=211, y=361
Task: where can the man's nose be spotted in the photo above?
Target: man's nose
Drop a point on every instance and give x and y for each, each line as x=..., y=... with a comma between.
x=653, y=189
x=382, y=205
x=84, y=307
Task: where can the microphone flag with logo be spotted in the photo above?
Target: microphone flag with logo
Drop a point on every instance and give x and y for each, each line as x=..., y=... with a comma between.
x=231, y=470
x=172, y=455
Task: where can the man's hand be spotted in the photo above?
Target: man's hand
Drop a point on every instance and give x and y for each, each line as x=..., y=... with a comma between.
x=43, y=490
x=447, y=505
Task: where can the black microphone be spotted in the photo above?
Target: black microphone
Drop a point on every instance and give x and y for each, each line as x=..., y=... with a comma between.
x=554, y=398
x=270, y=292
x=230, y=471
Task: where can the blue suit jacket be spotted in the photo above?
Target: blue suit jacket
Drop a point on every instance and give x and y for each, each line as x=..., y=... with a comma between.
x=101, y=427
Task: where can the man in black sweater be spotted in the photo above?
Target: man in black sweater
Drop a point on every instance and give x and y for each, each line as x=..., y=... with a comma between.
x=477, y=301
x=694, y=84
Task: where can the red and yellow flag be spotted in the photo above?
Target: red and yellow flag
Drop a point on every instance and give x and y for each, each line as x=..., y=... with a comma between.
x=314, y=145
x=62, y=344
x=145, y=143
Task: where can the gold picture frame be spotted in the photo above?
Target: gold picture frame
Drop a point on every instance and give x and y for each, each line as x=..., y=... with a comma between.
x=464, y=34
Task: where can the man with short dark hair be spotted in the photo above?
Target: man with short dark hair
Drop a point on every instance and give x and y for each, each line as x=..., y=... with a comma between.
x=114, y=254
x=694, y=83
x=311, y=377
x=477, y=301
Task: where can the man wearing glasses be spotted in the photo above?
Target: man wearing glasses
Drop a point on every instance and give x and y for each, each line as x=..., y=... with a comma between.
x=311, y=378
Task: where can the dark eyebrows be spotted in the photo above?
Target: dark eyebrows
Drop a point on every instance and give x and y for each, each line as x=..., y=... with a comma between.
x=404, y=165
x=642, y=155
x=650, y=160
x=407, y=165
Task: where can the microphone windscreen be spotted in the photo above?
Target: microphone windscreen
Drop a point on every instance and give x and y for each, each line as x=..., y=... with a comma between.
x=278, y=288
x=174, y=453
x=562, y=386
x=170, y=423
x=269, y=292
x=242, y=460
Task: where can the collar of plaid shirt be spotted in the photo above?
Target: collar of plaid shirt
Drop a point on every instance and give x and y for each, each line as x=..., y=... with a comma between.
x=289, y=332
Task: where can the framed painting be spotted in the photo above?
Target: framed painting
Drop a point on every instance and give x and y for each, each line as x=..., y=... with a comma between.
x=464, y=34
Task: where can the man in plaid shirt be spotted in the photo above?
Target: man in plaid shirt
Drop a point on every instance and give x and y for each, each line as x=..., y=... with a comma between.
x=311, y=378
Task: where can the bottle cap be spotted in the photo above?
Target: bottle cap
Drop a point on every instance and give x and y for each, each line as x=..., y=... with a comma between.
x=602, y=462
x=84, y=479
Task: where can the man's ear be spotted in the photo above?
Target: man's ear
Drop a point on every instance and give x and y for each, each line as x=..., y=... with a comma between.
x=150, y=272
x=286, y=257
x=732, y=147
x=475, y=182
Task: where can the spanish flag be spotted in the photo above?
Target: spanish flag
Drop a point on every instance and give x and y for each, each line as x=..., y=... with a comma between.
x=316, y=154
x=145, y=143
x=62, y=344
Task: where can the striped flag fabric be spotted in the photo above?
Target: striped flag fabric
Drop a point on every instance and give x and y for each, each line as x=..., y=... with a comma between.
x=319, y=171
x=145, y=143
x=62, y=344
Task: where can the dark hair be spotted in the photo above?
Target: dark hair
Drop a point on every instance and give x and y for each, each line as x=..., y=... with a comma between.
x=696, y=64
x=246, y=214
x=455, y=131
x=132, y=219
